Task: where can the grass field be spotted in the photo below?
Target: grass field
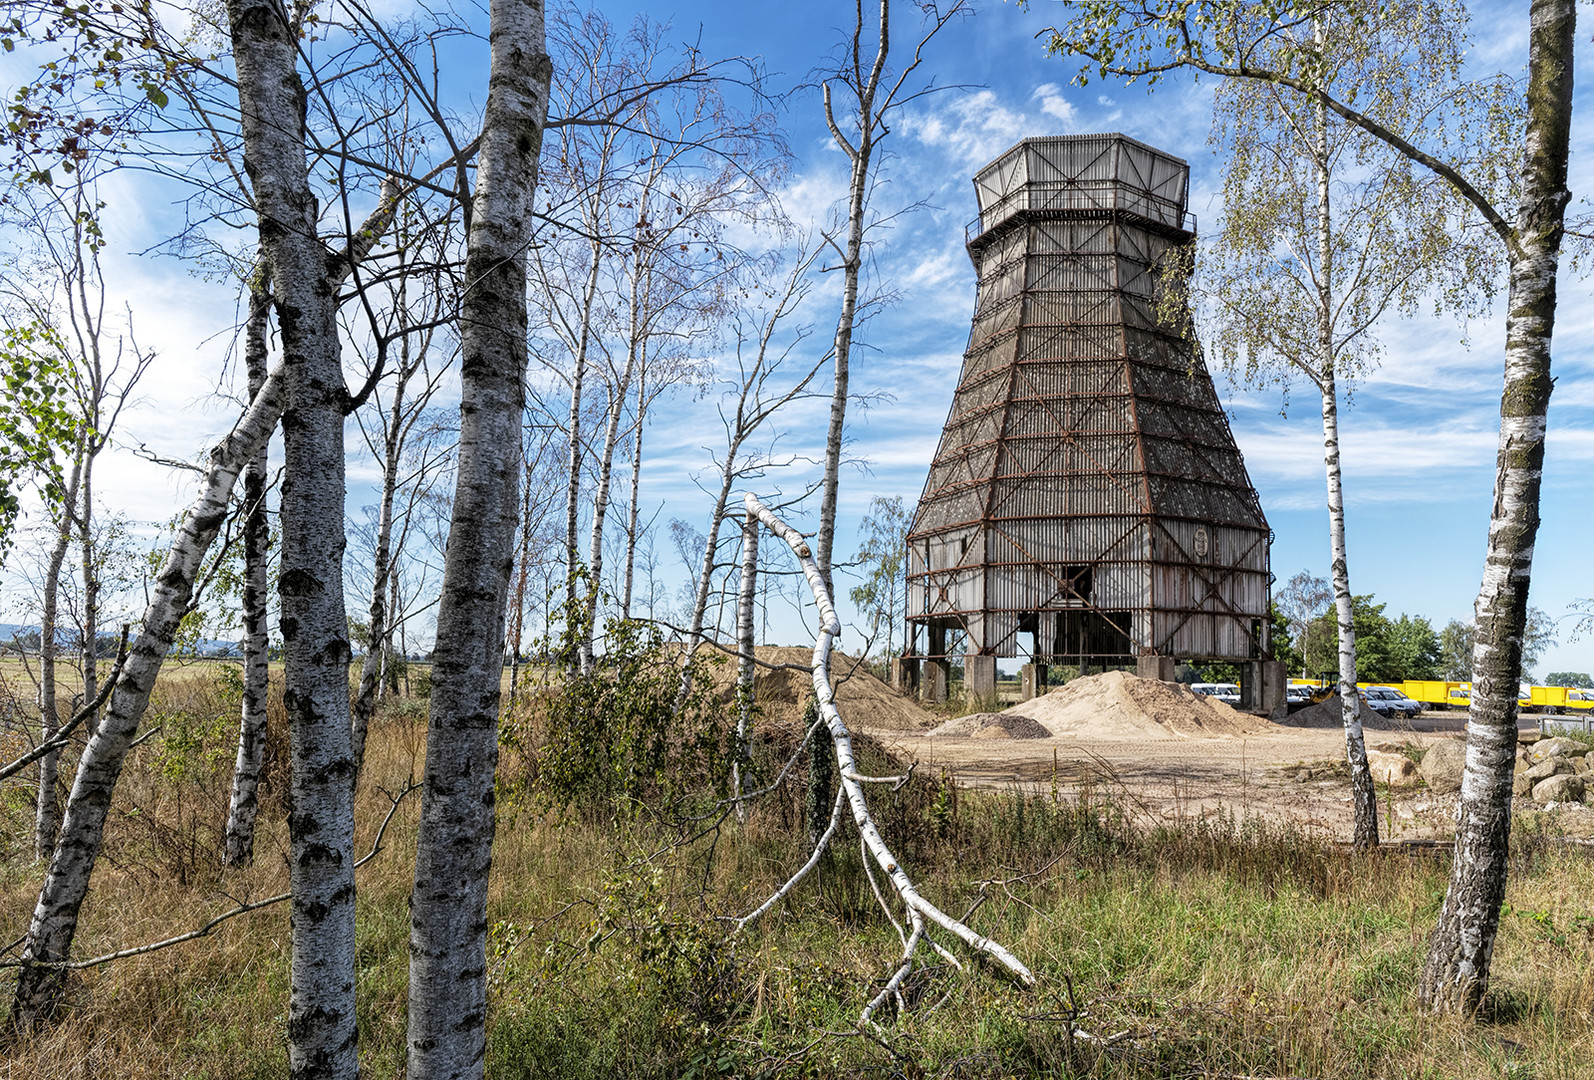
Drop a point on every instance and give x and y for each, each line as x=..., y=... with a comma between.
x=1221, y=948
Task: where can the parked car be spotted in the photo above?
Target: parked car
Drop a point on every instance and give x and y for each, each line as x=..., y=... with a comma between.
x=1388, y=701
x=1226, y=692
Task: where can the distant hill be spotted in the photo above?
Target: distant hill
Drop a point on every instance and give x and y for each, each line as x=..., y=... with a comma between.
x=8, y=631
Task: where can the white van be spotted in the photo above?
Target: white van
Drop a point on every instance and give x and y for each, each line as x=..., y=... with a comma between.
x=1226, y=692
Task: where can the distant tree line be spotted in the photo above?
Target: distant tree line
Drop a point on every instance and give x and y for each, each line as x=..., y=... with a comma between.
x=1389, y=650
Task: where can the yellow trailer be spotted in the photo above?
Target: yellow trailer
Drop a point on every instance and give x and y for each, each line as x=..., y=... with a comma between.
x=1434, y=693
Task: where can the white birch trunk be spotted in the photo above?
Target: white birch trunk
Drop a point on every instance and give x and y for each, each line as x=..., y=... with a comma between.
x=371, y=669
x=921, y=912
x=600, y=497
x=272, y=103
x=633, y=512
x=448, y=909
x=745, y=662
x=1456, y=972
x=852, y=262
x=47, y=810
x=91, y=582
x=49, y=940
x=1364, y=800
x=573, y=463
x=244, y=805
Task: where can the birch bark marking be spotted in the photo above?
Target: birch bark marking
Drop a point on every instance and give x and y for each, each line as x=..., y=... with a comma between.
x=271, y=97
x=49, y=940
x=244, y=805
x=1457, y=969
x=448, y=922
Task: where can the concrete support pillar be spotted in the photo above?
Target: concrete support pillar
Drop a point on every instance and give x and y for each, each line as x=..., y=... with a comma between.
x=1031, y=681
x=1262, y=686
x=1155, y=667
x=979, y=676
x=933, y=680
x=905, y=675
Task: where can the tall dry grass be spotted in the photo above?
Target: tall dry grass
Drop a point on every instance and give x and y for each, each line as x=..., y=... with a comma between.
x=1222, y=947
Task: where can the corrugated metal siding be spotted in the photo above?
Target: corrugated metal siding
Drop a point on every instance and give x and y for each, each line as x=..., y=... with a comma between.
x=1082, y=175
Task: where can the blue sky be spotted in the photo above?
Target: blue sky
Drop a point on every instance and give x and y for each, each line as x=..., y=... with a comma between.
x=1419, y=434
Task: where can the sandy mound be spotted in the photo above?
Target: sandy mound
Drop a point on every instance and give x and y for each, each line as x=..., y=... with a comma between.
x=987, y=725
x=1326, y=714
x=1118, y=705
x=864, y=701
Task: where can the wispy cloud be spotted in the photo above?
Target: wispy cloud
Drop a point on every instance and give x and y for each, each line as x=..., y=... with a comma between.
x=1054, y=104
x=971, y=129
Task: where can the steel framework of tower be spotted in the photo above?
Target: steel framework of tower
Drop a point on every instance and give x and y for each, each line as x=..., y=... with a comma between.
x=1087, y=488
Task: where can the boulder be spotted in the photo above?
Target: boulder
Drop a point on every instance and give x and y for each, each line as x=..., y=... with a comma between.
x=1443, y=764
x=1521, y=785
x=1396, y=770
x=1566, y=787
x=1555, y=766
x=1556, y=747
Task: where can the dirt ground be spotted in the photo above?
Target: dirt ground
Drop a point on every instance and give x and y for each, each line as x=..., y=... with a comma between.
x=1279, y=774
x=1164, y=761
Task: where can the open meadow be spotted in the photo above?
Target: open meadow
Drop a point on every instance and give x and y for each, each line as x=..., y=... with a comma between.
x=1215, y=944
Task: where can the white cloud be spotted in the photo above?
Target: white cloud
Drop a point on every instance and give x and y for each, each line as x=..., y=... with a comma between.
x=973, y=129
x=1050, y=95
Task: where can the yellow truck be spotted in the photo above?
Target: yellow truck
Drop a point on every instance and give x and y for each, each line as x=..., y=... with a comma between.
x=1433, y=693
x=1555, y=700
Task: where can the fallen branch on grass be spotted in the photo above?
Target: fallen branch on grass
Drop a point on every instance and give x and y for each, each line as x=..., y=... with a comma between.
x=209, y=927
x=920, y=911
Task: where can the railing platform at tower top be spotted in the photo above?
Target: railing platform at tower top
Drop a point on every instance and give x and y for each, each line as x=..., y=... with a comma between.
x=1085, y=198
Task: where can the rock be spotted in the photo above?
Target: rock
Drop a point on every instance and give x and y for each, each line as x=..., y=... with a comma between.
x=1556, y=747
x=1442, y=765
x=1584, y=765
x=1521, y=786
x=1555, y=766
x=1566, y=787
x=1396, y=770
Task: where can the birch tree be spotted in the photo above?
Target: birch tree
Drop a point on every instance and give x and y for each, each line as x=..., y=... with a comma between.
x=243, y=804
x=1326, y=231
x=704, y=170
x=869, y=96
x=761, y=388
x=1219, y=38
x=272, y=104
x=419, y=297
x=61, y=288
x=41, y=979
x=448, y=908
